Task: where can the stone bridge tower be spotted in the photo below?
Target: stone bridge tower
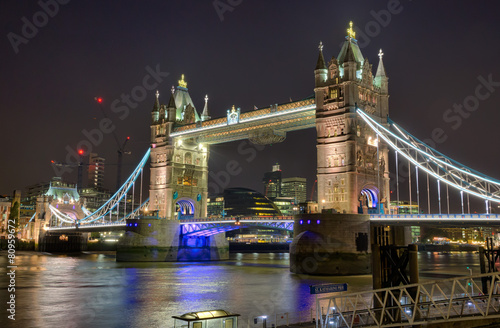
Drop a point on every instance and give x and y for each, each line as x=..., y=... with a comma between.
x=352, y=166
x=178, y=189
x=179, y=168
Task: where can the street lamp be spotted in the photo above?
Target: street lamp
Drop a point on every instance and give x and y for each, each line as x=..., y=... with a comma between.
x=264, y=321
x=470, y=283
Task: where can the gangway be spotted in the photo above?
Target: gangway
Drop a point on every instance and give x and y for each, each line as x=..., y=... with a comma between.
x=447, y=300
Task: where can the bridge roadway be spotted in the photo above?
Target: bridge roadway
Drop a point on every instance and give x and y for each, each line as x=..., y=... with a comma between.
x=212, y=226
x=193, y=226
x=457, y=220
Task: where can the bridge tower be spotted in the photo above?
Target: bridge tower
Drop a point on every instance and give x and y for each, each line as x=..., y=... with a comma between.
x=352, y=170
x=179, y=168
x=178, y=190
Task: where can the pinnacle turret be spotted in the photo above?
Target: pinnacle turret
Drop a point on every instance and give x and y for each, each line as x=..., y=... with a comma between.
x=381, y=80
x=171, y=102
x=321, y=60
x=155, y=113
x=381, y=68
x=205, y=116
x=156, y=106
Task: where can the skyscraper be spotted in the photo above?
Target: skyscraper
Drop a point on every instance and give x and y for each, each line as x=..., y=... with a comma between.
x=96, y=171
x=272, y=182
x=295, y=188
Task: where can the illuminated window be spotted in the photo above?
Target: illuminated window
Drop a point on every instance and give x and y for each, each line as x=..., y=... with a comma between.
x=188, y=159
x=187, y=180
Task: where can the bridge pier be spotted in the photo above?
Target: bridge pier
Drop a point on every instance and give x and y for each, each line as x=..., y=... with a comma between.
x=159, y=240
x=54, y=242
x=331, y=244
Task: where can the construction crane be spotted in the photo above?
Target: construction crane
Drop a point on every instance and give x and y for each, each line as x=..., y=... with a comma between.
x=79, y=165
x=312, y=191
x=121, y=147
x=121, y=151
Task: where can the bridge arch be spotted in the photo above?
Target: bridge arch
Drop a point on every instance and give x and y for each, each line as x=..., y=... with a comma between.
x=369, y=199
x=184, y=207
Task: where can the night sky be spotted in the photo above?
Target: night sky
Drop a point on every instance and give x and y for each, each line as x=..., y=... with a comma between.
x=255, y=53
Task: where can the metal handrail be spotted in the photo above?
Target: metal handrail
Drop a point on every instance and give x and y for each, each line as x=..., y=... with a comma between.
x=444, y=300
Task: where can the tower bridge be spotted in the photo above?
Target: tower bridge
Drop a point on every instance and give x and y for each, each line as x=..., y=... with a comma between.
x=350, y=112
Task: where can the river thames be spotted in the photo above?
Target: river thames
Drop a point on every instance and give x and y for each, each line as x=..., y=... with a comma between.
x=93, y=290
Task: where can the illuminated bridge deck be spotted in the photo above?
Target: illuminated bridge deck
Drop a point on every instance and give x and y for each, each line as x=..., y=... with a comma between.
x=441, y=219
x=212, y=226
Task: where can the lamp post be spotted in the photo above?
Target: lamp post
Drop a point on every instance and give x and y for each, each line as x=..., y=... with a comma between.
x=471, y=285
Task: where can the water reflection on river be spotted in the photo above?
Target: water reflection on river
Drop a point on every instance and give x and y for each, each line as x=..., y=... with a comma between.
x=92, y=290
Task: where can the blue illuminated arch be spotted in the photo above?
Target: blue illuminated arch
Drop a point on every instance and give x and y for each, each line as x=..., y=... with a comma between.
x=185, y=207
x=371, y=197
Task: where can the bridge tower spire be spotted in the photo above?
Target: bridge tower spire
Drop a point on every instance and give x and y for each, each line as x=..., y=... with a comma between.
x=382, y=81
x=352, y=168
x=205, y=116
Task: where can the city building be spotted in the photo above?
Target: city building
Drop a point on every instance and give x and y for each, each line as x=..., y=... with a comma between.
x=6, y=207
x=295, y=188
x=309, y=207
x=277, y=186
x=286, y=205
x=5, y=204
x=272, y=182
x=215, y=206
x=25, y=226
x=241, y=202
x=404, y=207
x=96, y=172
x=33, y=191
x=94, y=197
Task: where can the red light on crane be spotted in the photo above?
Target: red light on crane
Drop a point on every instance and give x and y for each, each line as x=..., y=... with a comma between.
x=128, y=138
x=80, y=151
x=98, y=99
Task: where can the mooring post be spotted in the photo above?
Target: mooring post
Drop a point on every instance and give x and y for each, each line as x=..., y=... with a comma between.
x=413, y=262
x=482, y=264
x=414, y=275
x=376, y=266
x=376, y=272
